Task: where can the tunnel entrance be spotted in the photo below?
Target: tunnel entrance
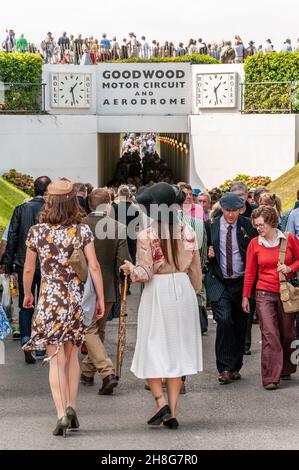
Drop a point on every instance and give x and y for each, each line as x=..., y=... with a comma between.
x=142, y=158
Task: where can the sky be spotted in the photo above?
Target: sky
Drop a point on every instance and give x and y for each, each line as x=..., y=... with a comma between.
x=172, y=20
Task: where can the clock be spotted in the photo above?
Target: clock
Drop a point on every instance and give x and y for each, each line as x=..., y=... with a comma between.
x=70, y=90
x=217, y=90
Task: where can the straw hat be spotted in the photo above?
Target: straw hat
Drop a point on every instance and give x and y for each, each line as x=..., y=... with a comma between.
x=60, y=187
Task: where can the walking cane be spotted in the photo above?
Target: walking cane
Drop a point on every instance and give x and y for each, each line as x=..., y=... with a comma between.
x=121, y=329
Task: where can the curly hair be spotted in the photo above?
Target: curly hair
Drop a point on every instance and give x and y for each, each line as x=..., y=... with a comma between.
x=268, y=213
x=61, y=210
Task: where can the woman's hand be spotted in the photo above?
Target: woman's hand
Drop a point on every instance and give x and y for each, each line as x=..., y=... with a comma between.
x=28, y=301
x=246, y=305
x=100, y=309
x=284, y=269
x=126, y=267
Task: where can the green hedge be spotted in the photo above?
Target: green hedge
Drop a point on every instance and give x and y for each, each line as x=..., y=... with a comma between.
x=273, y=67
x=21, y=68
x=193, y=59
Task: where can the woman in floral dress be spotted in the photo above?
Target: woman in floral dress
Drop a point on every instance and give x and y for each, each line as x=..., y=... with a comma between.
x=58, y=324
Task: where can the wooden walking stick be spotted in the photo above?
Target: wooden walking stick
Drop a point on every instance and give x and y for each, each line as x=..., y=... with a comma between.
x=122, y=329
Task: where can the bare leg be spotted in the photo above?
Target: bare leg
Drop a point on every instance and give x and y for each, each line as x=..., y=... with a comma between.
x=173, y=392
x=57, y=379
x=72, y=371
x=157, y=391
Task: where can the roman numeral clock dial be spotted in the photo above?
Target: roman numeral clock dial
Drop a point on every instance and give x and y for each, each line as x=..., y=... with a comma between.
x=216, y=90
x=71, y=90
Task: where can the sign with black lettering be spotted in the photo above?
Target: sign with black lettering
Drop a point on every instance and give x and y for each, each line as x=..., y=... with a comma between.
x=146, y=89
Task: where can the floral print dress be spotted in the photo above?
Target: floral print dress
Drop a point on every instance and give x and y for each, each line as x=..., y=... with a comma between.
x=59, y=316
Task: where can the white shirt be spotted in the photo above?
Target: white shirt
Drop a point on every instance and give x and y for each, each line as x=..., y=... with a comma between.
x=279, y=235
x=5, y=234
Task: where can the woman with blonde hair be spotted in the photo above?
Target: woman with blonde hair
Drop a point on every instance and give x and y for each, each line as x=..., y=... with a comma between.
x=58, y=325
x=272, y=200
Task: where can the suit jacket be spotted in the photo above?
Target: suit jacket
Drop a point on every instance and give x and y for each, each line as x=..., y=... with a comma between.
x=214, y=280
x=24, y=216
x=111, y=252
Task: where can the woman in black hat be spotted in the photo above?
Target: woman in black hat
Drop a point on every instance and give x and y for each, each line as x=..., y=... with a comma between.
x=168, y=339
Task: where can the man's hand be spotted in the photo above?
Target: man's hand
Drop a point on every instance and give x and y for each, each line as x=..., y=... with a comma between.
x=211, y=252
x=28, y=301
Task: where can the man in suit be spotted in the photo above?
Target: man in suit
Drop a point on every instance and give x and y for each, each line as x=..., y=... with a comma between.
x=23, y=217
x=228, y=238
x=112, y=250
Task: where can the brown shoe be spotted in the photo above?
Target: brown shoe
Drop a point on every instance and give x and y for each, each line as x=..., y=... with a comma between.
x=225, y=377
x=236, y=375
x=108, y=385
x=86, y=380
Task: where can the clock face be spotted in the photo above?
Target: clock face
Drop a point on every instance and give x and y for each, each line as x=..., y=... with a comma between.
x=217, y=90
x=71, y=90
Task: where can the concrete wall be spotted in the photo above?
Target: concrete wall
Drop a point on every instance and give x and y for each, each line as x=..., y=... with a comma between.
x=227, y=144
x=221, y=145
x=50, y=145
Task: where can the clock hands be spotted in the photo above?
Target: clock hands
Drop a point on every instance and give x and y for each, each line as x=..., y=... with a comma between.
x=72, y=92
x=215, y=91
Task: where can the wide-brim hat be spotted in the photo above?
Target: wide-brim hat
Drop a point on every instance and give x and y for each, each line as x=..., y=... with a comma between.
x=156, y=200
x=60, y=187
x=231, y=202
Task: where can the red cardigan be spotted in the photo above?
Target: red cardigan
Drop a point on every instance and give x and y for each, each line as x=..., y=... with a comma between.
x=263, y=262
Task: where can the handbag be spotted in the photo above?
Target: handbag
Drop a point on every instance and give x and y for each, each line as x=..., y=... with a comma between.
x=289, y=294
x=5, y=328
x=77, y=259
x=89, y=301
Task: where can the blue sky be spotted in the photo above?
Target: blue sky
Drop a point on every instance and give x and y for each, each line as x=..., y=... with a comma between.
x=176, y=20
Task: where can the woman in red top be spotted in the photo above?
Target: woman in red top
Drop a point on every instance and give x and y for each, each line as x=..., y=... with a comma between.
x=262, y=263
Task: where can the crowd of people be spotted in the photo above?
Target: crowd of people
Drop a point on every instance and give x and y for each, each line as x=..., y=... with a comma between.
x=224, y=252
x=71, y=49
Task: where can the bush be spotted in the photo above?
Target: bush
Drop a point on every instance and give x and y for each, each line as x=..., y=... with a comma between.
x=193, y=59
x=273, y=67
x=21, y=181
x=21, y=69
x=250, y=181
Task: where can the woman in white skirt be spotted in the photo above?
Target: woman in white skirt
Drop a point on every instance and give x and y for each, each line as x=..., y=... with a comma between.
x=168, y=334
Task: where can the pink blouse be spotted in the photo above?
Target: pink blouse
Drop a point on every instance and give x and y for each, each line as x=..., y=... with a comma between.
x=150, y=259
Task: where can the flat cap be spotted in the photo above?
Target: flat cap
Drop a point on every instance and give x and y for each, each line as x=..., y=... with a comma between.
x=231, y=202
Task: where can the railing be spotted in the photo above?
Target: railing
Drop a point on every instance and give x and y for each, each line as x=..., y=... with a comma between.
x=270, y=97
x=22, y=97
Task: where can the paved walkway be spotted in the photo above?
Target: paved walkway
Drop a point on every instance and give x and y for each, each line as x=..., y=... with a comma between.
x=241, y=415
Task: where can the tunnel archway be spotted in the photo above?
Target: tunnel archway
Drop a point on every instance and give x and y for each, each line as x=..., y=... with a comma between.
x=173, y=148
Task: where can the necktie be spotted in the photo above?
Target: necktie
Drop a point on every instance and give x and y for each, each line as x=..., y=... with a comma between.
x=229, y=252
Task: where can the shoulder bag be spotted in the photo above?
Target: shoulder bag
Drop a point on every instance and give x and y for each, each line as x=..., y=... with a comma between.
x=77, y=259
x=289, y=294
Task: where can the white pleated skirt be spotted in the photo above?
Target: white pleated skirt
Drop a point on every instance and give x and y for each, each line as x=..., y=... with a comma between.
x=168, y=330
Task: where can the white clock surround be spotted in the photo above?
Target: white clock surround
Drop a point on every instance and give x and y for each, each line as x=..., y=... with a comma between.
x=71, y=90
x=216, y=90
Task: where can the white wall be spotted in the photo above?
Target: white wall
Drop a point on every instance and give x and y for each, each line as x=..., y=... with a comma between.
x=50, y=145
x=227, y=144
x=161, y=124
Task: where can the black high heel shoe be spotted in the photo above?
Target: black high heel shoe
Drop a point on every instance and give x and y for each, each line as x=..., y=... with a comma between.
x=160, y=416
x=61, y=427
x=171, y=423
x=72, y=417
